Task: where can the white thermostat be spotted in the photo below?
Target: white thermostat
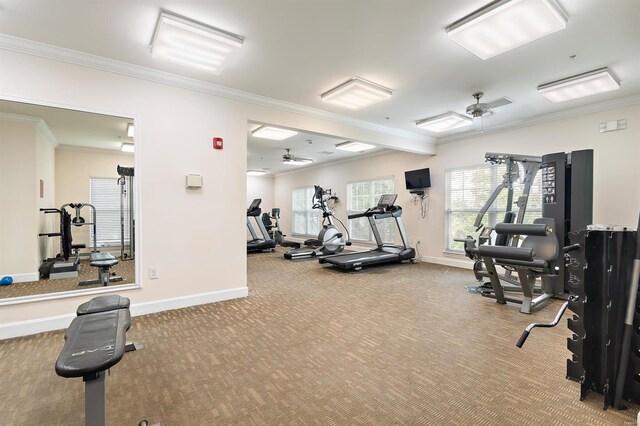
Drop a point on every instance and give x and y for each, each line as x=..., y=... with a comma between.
x=194, y=181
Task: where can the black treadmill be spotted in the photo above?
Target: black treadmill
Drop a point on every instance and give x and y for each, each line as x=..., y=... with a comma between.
x=382, y=253
x=266, y=243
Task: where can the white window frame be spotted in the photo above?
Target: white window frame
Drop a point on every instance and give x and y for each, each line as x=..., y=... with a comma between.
x=373, y=197
x=116, y=241
x=312, y=216
x=494, y=213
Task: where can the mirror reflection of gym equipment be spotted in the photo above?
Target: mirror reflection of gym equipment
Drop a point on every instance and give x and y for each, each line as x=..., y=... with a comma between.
x=84, y=235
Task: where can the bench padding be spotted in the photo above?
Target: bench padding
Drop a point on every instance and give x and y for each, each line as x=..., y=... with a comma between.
x=93, y=343
x=103, y=260
x=99, y=304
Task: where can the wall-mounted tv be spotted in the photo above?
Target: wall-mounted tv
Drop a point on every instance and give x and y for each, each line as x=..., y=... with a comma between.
x=418, y=179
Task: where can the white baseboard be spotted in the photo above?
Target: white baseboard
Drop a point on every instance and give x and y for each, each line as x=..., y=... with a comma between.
x=59, y=322
x=447, y=261
x=21, y=278
x=186, y=301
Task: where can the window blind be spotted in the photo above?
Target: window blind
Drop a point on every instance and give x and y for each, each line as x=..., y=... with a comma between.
x=104, y=194
x=363, y=195
x=306, y=220
x=467, y=189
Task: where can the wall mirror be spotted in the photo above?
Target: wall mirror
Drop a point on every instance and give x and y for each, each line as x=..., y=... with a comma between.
x=67, y=184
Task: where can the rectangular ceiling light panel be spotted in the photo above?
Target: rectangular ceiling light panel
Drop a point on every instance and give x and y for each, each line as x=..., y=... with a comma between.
x=352, y=146
x=256, y=172
x=444, y=122
x=579, y=86
x=186, y=42
x=506, y=24
x=127, y=147
x=275, y=133
x=298, y=161
x=356, y=93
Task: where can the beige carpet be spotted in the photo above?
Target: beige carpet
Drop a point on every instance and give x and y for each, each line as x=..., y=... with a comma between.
x=124, y=269
x=311, y=345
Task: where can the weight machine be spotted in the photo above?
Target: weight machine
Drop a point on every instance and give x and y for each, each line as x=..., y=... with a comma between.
x=567, y=199
x=64, y=265
x=125, y=181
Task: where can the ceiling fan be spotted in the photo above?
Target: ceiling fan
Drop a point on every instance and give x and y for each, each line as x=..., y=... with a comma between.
x=479, y=110
x=289, y=158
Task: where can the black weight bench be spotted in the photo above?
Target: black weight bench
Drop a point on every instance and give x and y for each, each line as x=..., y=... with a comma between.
x=104, y=262
x=94, y=342
x=106, y=303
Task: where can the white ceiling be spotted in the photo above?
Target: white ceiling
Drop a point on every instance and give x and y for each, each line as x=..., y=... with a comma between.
x=267, y=154
x=76, y=128
x=296, y=50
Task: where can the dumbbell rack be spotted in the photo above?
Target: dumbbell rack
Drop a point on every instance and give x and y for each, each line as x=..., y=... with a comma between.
x=599, y=273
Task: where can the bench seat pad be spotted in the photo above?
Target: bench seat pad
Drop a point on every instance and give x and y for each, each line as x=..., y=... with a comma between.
x=93, y=343
x=103, y=260
x=98, y=304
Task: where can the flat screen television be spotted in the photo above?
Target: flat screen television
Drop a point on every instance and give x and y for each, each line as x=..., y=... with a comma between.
x=417, y=179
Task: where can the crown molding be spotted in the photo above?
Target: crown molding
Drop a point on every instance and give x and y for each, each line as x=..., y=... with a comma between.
x=30, y=47
x=544, y=118
x=37, y=121
x=93, y=150
x=48, y=134
x=19, y=118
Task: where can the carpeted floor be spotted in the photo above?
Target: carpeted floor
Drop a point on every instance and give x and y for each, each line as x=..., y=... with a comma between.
x=124, y=269
x=311, y=345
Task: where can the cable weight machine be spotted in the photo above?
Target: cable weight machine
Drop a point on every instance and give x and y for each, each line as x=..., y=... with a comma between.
x=125, y=181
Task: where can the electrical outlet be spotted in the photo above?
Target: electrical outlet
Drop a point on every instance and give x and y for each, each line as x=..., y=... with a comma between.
x=154, y=273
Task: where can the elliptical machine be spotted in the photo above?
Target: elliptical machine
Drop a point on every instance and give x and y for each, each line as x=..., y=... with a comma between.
x=273, y=228
x=330, y=239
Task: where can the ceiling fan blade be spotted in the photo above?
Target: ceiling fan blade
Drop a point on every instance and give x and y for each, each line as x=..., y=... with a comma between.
x=500, y=102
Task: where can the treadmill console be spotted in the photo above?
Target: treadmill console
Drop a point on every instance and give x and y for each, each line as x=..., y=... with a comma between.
x=255, y=206
x=386, y=201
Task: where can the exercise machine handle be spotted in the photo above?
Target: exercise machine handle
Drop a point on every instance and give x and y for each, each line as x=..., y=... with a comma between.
x=555, y=321
x=572, y=247
x=523, y=338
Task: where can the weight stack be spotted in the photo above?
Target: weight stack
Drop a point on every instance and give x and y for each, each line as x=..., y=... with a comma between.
x=600, y=275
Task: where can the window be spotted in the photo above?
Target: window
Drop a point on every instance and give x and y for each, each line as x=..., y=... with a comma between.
x=363, y=195
x=104, y=194
x=306, y=220
x=467, y=189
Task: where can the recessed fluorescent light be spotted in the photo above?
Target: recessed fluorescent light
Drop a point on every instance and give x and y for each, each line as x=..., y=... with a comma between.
x=130, y=130
x=275, y=133
x=127, y=147
x=579, y=86
x=194, y=44
x=298, y=161
x=444, y=122
x=503, y=25
x=256, y=172
x=354, y=146
x=356, y=93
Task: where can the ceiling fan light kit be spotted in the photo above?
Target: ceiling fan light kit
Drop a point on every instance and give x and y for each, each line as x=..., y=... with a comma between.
x=194, y=44
x=579, y=86
x=356, y=93
x=274, y=133
x=353, y=146
x=503, y=25
x=289, y=158
x=444, y=122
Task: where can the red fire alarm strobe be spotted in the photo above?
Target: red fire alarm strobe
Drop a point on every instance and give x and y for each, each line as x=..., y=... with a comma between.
x=217, y=143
